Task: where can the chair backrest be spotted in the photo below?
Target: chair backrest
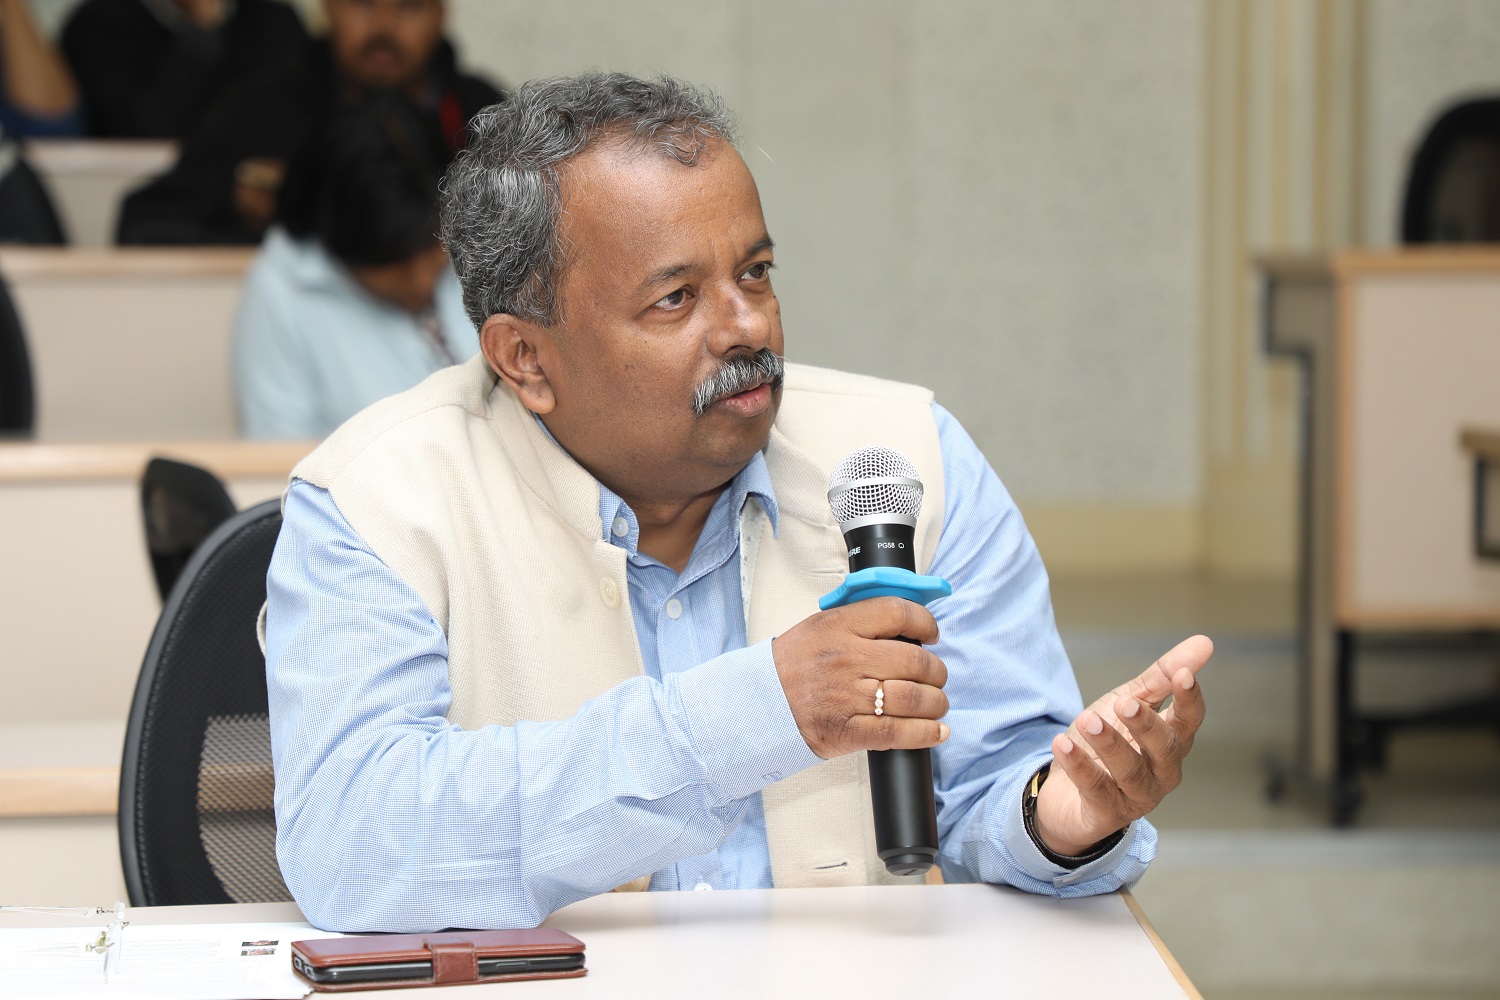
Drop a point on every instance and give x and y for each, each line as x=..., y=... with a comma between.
x=27, y=214
x=182, y=504
x=196, y=787
x=17, y=394
x=1453, y=187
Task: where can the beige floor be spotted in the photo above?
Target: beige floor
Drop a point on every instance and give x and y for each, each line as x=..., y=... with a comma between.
x=1267, y=901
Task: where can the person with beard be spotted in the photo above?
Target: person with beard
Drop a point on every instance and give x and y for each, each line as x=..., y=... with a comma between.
x=351, y=297
x=149, y=69
x=224, y=186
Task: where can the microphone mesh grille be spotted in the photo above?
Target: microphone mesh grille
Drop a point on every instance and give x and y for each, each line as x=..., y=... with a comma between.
x=860, y=485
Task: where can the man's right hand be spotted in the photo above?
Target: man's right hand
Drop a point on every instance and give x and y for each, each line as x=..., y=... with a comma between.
x=831, y=664
x=257, y=181
x=206, y=14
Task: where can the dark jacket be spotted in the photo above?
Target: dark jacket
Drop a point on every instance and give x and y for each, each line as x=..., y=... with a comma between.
x=142, y=77
x=271, y=118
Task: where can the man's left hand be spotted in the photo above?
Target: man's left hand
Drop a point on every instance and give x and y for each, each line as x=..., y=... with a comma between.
x=1123, y=753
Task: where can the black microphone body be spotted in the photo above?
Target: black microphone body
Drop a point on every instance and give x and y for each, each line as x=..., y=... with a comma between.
x=906, y=834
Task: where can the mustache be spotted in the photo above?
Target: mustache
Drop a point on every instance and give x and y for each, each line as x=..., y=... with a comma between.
x=744, y=371
x=380, y=43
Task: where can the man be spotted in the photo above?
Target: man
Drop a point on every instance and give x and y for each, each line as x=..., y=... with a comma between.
x=149, y=69
x=546, y=625
x=351, y=297
x=223, y=188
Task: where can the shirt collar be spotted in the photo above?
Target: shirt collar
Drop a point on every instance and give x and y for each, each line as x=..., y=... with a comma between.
x=753, y=482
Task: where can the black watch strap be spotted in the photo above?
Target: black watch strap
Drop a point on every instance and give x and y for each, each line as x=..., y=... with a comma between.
x=1028, y=815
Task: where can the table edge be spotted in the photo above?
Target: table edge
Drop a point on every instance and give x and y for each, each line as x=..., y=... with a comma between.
x=1161, y=946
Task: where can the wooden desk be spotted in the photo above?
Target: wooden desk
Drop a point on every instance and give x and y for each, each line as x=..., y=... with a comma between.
x=1482, y=442
x=129, y=344
x=88, y=177
x=868, y=943
x=77, y=605
x=1399, y=350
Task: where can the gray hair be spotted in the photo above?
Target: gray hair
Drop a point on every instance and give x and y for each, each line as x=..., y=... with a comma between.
x=500, y=199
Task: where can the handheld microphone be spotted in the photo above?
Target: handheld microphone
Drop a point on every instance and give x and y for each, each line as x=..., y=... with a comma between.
x=876, y=496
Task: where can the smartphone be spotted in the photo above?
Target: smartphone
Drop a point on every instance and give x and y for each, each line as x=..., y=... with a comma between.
x=377, y=971
x=407, y=959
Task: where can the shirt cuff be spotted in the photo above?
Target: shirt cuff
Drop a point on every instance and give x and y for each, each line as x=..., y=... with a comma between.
x=1120, y=860
x=740, y=723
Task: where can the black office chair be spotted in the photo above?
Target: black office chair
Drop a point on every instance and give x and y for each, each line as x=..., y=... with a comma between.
x=1453, y=188
x=17, y=395
x=197, y=823
x=182, y=504
x=27, y=214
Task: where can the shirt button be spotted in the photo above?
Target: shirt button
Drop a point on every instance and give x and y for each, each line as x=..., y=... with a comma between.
x=620, y=527
x=674, y=609
x=703, y=887
x=610, y=591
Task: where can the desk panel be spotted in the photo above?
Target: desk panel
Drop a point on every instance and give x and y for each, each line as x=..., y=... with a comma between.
x=1420, y=360
x=129, y=344
x=78, y=599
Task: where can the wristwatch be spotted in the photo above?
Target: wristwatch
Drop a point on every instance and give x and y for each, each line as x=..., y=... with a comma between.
x=1028, y=815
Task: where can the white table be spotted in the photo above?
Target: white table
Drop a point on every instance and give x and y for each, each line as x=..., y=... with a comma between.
x=944, y=941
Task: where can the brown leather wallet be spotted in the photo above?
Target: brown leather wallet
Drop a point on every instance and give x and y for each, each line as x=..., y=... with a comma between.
x=448, y=958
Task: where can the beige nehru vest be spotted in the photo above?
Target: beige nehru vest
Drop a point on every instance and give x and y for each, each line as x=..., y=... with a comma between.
x=456, y=489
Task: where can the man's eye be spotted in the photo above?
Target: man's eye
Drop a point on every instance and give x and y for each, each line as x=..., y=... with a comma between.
x=759, y=272
x=672, y=300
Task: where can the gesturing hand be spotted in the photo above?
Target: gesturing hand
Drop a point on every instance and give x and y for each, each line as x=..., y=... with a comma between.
x=832, y=663
x=1121, y=756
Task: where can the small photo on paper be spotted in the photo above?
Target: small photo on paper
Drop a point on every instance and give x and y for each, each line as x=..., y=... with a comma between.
x=259, y=944
x=259, y=951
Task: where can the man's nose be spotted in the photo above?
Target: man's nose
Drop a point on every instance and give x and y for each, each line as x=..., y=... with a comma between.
x=744, y=322
x=385, y=15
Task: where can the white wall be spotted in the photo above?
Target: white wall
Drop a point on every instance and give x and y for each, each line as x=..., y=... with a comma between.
x=1000, y=200
x=1003, y=199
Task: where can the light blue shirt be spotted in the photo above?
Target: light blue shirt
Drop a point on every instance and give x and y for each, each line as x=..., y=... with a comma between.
x=391, y=818
x=313, y=347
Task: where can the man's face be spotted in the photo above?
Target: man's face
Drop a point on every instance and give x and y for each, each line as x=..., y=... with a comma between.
x=408, y=284
x=383, y=43
x=665, y=277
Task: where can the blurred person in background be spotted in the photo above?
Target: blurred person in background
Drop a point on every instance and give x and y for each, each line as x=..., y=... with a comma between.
x=150, y=69
x=224, y=187
x=38, y=97
x=351, y=297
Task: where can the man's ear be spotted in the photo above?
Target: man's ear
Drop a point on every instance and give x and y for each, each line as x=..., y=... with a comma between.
x=510, y=346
